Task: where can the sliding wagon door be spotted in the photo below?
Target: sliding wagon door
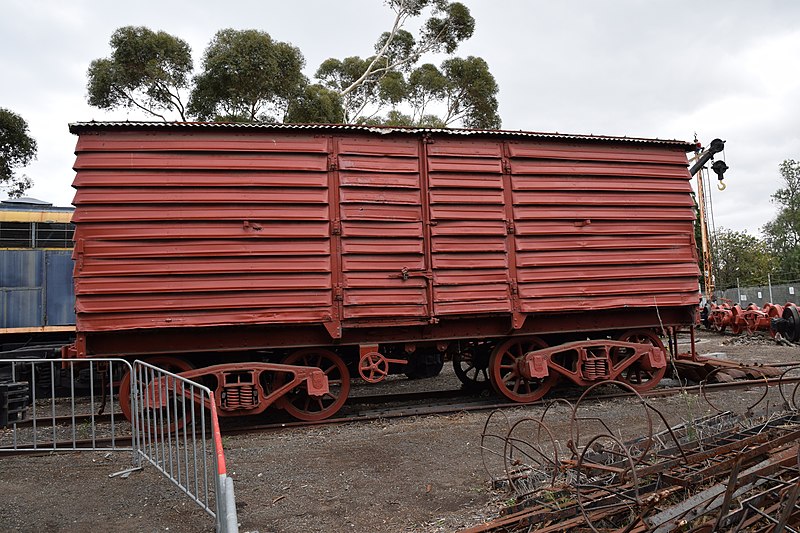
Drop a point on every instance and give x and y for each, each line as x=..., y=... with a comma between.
x=470, y=227
x=383, y=270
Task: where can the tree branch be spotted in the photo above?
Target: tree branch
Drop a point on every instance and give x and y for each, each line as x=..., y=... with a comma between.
x=357, y=113
x=132, y=101
x=399, y=19
x=174, y=99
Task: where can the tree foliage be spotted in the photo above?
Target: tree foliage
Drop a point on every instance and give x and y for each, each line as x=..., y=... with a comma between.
x=147, y=70
x=316, y=104
x=739, y=256
x=338, y=75
x=470, y=94
x=449, y=24
x=460, y=90
x=247, y=77
x=783, y=232
x=17, y=149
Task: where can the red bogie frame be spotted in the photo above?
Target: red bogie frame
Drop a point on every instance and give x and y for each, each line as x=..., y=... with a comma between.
x=173, y=364
x=524, y=369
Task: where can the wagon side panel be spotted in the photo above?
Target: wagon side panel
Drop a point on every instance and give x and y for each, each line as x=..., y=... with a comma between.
x=199, y=228
x=602, y=226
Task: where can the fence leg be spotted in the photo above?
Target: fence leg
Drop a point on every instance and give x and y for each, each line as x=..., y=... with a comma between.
x=227, y=520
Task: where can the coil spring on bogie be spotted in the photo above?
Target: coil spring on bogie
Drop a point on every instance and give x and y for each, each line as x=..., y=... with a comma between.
x=595, y=369
x=242, y=396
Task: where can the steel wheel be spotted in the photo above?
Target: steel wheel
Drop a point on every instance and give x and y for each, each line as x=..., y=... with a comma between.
x=302, y=405
x=791, y=314
x=635, y=375
x=472, y=369
x=168, y=363
x=506, y=377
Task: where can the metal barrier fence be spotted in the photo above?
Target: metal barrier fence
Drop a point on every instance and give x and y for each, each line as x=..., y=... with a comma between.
x=176, y=430
x=61, y=405
x=70, y=405
x=761, y=294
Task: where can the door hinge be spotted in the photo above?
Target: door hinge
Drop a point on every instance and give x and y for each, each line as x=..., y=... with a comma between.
x=338, y=293
x=336, y=227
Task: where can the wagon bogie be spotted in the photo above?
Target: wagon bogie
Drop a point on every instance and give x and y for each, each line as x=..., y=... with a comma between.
x=640, y=372
x=306, y=392
x=524, y=369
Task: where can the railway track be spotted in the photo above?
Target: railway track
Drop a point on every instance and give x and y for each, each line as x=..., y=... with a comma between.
x=379, y=407
x=483, y=405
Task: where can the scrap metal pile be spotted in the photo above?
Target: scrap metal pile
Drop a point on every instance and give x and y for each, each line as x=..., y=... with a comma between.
x=778, y=320
x=721, y=472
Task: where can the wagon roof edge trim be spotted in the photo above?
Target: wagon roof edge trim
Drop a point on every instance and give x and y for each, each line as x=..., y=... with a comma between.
x=79, y=127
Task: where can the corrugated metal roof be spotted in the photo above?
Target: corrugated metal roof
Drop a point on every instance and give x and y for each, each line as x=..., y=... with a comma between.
x=31, y=204
x=79, y=127
x=26, y=200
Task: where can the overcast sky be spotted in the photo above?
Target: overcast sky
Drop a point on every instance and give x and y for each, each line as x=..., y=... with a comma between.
x=647, y=68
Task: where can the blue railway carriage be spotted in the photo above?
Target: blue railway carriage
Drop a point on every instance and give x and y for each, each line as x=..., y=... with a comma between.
x=37, y=299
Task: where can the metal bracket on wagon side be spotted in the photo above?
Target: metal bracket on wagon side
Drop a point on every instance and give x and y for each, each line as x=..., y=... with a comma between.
x=334, y=328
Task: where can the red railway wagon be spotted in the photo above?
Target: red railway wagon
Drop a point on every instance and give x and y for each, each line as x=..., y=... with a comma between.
x=275, y=251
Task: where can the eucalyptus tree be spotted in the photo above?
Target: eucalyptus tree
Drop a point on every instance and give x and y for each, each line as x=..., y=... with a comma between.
x=17, y=149
x=147, y=70
x=246, y=77
x=740, y=257
x=783, y=232
x=460, y=91
x=315, y=104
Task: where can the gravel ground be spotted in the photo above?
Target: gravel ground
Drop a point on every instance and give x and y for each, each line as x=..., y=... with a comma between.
x=414, y=474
